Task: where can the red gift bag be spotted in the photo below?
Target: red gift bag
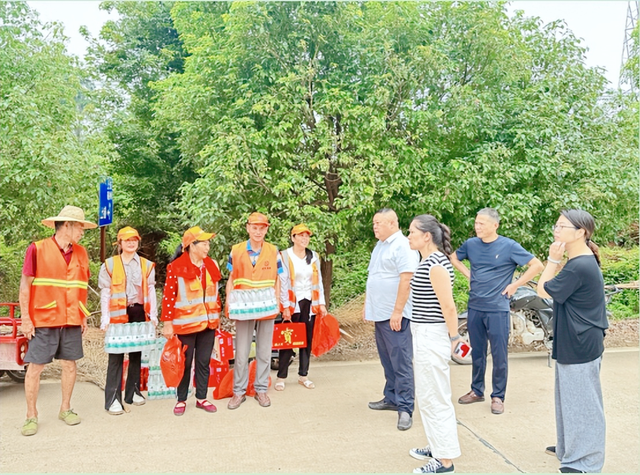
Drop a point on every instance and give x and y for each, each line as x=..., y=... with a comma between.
x=287, y=335
x=144, y=375
x=223, y=346
x=172, y=362
x=326, y=333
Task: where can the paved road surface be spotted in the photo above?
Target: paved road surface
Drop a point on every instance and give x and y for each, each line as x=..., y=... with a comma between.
x=325, y=430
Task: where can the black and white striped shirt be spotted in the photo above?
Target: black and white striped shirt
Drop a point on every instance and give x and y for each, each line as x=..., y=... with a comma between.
x=426, y=308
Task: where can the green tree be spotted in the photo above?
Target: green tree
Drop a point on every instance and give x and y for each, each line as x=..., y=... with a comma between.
x=139, y=47
x=324, y=112
x=48, y=155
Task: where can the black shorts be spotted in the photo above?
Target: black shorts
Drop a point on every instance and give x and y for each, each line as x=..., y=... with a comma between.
x=61, y=343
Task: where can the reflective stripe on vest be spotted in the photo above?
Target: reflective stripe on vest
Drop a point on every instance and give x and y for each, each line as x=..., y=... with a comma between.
x=118, y=302
x=315, y=283
x=195, y=309
x=59, y=290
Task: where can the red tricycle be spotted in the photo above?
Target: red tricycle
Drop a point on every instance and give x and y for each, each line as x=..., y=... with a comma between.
x=13, y=347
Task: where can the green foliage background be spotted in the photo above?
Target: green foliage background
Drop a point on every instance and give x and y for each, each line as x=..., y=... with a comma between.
x=316, y=112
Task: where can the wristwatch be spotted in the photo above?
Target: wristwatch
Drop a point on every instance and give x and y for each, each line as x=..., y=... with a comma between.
x=454, y=338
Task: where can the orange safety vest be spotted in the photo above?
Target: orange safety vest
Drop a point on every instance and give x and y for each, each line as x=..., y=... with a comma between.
x=118, y=302
x=196, y=308
x=59, y=290
x=315, y=283
x=263, y=275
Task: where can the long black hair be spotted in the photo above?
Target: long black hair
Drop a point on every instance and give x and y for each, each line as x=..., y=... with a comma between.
x=440, y=233
x=583, y=220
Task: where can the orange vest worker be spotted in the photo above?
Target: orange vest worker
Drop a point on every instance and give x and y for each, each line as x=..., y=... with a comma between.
x=118, y=302
x=59, y=291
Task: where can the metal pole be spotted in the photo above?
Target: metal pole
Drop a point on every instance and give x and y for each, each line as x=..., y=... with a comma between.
x=103, y=251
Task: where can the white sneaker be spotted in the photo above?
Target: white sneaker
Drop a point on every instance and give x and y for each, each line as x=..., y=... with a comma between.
x=116, y=408
x=138, y=400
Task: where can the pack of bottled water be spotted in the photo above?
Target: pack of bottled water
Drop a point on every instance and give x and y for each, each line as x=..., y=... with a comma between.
x=129, y=337
x=251, y=304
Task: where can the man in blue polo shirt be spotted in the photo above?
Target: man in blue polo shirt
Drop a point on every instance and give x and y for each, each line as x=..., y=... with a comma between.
x=493, y=259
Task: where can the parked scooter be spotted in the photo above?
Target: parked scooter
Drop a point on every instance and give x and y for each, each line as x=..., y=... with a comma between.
x=531, y=319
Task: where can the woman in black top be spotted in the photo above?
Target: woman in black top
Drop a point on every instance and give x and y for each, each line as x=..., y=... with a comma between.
x=580, y=321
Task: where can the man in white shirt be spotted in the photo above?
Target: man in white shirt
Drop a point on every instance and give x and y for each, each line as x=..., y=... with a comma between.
x=387, y=304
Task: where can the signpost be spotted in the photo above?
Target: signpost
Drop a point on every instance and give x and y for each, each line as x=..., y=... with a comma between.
x=105, y=211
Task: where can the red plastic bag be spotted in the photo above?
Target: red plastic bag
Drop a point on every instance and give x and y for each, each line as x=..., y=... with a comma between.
x=172, y=362
x=326, y=333
x=225, y=388
x=217, y=371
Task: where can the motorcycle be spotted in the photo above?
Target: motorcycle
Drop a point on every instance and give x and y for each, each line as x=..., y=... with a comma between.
x=531, y=319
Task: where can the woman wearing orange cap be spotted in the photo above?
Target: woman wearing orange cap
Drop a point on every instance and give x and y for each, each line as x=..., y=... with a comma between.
x=306, y=299
x=127, y=282
x=191, y=310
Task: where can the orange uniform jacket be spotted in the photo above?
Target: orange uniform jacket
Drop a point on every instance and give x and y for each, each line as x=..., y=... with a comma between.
x=118, y=301
x=197, y=306
x=59, y=291
x=263, y=275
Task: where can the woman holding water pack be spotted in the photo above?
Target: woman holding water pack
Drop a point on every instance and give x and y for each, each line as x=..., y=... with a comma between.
x=127, y=282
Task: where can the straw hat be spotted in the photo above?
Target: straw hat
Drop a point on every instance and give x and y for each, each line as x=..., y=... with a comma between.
x=127, y=233
x=69, y=213
x=301, y=228
x=258, y=218
x=195, y=234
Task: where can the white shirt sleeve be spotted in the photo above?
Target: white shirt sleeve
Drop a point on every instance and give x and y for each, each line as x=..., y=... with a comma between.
x=321, y=300
x=104, y=282
x=285, y=283
x=153, y=301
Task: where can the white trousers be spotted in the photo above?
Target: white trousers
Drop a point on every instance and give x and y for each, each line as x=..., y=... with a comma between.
x=431, y=356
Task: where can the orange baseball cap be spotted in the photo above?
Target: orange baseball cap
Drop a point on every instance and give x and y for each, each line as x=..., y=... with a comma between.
x=258, y=218
x=127, y=233
x=301, y=228
x=195, y=234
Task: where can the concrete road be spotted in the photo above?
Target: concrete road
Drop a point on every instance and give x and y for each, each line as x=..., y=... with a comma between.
x=325, y=430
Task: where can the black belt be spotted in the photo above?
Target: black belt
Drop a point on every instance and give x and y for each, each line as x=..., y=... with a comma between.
x=135, y=305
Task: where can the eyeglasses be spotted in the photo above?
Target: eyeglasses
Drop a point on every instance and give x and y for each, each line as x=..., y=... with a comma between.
x=560, y=226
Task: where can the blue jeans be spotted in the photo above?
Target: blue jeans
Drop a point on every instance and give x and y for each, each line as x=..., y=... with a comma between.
x=396, y=354
x=492, y=327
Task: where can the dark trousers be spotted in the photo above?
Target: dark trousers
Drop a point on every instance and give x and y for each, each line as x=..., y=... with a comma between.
x=396, y=354
x=200, y=343
x=492, y=327
x=113, y=385
x=285, y=356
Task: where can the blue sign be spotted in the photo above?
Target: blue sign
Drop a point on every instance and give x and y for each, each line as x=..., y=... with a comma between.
x=105, y=213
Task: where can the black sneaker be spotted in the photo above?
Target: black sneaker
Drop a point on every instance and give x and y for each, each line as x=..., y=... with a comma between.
x=423, y=453
x=551, y=450
x=434, y=466
x=570, y=470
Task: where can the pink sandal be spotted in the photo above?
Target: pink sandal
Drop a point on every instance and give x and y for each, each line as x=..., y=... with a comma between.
x=179, y=408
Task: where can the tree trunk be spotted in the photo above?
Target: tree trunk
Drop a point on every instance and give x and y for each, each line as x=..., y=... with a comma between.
x=326, y=268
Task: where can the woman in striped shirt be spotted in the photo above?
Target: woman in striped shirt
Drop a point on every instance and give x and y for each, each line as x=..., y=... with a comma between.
x=434, y=327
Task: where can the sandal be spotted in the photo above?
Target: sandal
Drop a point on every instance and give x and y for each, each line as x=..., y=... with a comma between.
x=179, y=408
x=306, y=383
x=206, y=405
x=279, y=385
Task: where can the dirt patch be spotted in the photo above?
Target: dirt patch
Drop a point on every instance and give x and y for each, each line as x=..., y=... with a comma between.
x=358, y=345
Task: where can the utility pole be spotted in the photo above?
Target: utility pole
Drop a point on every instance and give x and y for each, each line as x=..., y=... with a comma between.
x=625, y=83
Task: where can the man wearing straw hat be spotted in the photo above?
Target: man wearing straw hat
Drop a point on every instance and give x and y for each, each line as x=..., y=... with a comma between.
x=53, y=297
